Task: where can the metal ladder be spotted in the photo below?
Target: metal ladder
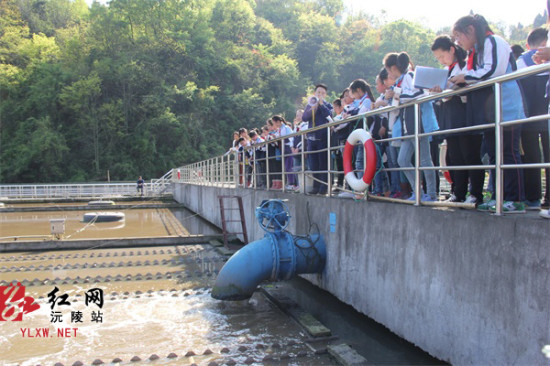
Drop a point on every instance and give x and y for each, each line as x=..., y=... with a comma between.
x=225, y=220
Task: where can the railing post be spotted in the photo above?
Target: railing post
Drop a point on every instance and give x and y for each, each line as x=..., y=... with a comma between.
x=498, y=150
x=303, y=156
x=212, y=172
x=236, y=170
x=220, y=172
x=283, y=170
x=417, y=186
x=267, y=180
x=217, y=171
x=223, y=170
x=254, y=176
x=329, y=161
x=242, y=170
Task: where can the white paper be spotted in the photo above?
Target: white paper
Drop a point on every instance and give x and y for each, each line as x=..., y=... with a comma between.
x=428, y=77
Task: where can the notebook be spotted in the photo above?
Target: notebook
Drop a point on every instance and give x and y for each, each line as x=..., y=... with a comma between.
x=428, y=77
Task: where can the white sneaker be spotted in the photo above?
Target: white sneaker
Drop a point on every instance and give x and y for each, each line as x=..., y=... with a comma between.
x=471, y=199
x=452, y=199
x=510, y=207
x=545, y=214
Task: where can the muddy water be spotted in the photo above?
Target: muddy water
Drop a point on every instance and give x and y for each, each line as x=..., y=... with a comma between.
x=156, y=301
x=137, y=223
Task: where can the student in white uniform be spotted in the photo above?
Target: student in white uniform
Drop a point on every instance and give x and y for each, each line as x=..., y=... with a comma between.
x=490, y=56
x=536, y=103
x=398, y=67
x=462, y=148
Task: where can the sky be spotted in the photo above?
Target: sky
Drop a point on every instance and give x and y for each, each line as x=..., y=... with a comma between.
x=437, y=14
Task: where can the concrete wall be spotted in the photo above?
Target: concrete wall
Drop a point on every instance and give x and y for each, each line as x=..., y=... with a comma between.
x=467, y=287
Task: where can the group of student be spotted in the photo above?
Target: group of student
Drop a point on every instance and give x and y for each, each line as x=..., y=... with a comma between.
x=474, y=54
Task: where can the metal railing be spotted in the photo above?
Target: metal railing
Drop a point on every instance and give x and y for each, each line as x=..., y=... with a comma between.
x=221, y=171
x=163, y=184
x=84, y=191
x=229, y=170
x=68, y=191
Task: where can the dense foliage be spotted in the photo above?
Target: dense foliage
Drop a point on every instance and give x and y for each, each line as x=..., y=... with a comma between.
x=140, y=86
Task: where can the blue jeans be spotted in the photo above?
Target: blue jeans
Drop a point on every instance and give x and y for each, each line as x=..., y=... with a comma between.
x=392, y=153
x=381, y=182
x=404, y=160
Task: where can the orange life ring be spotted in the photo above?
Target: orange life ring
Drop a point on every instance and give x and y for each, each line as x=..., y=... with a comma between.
x=364, y=136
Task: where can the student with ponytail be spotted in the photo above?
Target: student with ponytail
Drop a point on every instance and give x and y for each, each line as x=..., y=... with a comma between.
x=462, y=148
x=490, y=56
x=399, y=68
x=364, y=99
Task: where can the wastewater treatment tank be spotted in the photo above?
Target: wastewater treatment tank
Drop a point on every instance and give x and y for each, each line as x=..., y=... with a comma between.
x=103, y=216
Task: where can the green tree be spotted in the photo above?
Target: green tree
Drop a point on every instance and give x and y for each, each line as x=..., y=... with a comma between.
x=36, y=152
x=82, y=98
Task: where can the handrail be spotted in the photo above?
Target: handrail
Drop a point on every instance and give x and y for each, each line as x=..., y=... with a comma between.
x=67, y=191
x=497, y=125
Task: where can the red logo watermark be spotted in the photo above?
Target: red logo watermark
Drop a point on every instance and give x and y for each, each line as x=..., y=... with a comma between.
x=14, y=303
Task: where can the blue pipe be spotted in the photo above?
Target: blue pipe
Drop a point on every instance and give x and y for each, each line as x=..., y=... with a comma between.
x=278, y=256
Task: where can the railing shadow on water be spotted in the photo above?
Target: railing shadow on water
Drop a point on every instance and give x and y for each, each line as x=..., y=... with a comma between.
x=229, y=170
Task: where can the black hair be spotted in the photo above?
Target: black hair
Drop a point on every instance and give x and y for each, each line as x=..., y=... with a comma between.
x=383, y=75
x=517, y=50
x=363, y=85
x=321, y=86
x=481, y=27
x=445, y=43
x=344, y=93
x=241, y=139
x=265, y=128
x=337, y=102
x=252, y=133
x=399, y=60
x=537, y=36
x=278, y=118
x=242, y=129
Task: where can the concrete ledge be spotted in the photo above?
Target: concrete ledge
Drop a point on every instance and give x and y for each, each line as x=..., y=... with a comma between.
x=216, y=243
x=31, y=246
x=345, y=355
x=224, y=251
x=305, y=319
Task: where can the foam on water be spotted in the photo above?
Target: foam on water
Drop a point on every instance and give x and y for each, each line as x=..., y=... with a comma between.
x=142, y=326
